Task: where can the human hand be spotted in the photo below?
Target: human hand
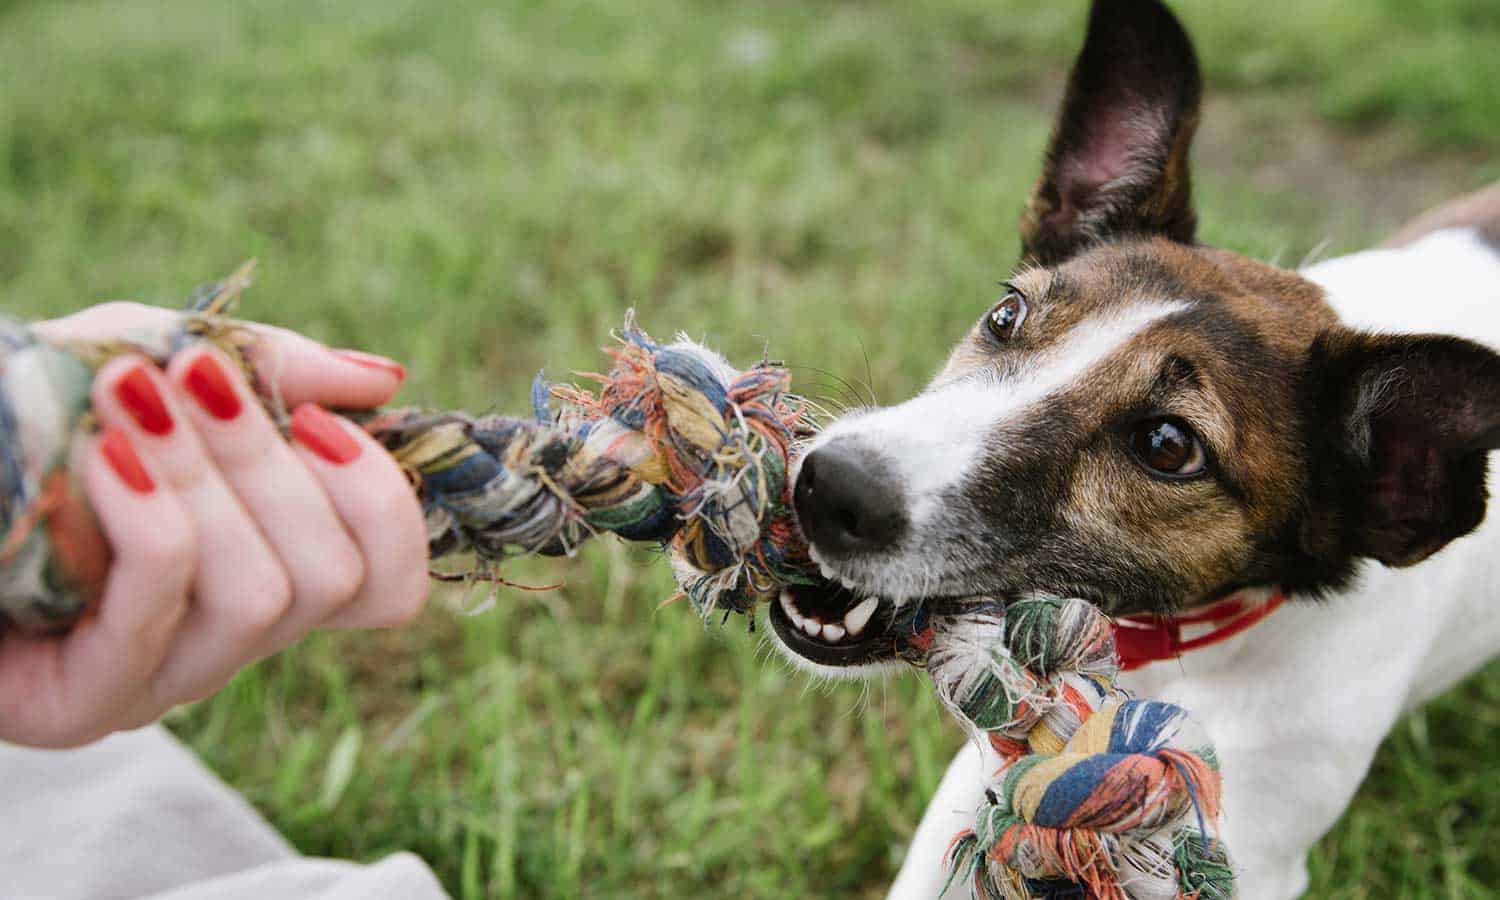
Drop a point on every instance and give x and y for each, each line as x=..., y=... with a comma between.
x=229, y=543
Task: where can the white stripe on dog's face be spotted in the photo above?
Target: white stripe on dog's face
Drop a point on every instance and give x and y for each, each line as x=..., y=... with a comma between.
x=934, y=441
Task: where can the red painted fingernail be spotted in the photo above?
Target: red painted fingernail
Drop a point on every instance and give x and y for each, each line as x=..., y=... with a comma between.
x=320, y=432
x=211, y=387
x=117, y=451
x=138, y=394
x=371, y=361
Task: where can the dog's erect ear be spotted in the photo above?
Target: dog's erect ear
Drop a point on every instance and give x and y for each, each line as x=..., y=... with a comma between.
x=1406, y=423
x=1118, y=161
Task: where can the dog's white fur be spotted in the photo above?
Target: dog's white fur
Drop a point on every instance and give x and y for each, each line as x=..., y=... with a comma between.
x=1298, y=705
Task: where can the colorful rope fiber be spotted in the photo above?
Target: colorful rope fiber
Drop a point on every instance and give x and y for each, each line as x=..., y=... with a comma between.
x=1099, y=795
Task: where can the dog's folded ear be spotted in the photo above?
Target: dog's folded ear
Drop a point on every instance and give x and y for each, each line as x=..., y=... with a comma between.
x=1118, y=160
x=1401, y=427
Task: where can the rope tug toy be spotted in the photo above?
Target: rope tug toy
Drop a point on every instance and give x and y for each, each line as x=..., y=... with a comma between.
x=1099, y=796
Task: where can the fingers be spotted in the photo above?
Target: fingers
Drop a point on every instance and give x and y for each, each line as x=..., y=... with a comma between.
x=298, y=369
x=302, y=370
x=378, y=508
x=323, y=565
x=239, y=587
x=67, y=692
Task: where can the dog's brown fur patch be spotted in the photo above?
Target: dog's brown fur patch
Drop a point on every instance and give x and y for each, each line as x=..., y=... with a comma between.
x=1229, y=364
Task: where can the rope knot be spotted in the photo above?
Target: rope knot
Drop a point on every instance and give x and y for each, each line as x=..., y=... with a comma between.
x=1095, y=790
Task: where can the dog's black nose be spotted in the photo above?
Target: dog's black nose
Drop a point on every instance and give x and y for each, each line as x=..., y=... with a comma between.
x=847, y=501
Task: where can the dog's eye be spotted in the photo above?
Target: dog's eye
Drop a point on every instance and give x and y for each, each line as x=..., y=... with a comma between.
x=1167, y=446
x=1004, y=320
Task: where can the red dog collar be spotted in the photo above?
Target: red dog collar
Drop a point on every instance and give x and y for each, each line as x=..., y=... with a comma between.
x=1147, y=638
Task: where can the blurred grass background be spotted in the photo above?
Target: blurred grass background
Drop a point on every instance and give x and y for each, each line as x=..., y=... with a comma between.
x=482, y=188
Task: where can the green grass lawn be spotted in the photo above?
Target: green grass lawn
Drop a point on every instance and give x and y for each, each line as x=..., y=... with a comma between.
x=481, y=189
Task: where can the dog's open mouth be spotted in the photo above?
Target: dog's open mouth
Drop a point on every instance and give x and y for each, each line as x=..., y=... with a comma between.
x=828, y=624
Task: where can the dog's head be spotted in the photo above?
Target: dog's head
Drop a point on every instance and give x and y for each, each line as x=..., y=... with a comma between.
x=1137, y=419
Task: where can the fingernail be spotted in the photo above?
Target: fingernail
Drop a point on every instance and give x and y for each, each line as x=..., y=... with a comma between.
x=319, y=431
x=371, y=361
x=138, y=394
x=211, y=387
x=115, y=446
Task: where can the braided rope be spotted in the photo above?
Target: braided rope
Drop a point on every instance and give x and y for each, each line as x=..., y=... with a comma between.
x=676, y=448
x=1097, y=792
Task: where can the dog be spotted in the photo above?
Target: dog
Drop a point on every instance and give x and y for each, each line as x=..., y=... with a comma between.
x=1155, y=425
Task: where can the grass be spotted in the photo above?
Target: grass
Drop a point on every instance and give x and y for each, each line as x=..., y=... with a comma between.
x=480, y=189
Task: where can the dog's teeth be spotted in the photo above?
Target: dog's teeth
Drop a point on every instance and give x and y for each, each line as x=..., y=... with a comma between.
x=827, y=571
x=790, y=609
x=812, y=627
x=833, y=633
x=857, y=618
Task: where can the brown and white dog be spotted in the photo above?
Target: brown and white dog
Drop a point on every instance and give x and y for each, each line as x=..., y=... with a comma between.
x=1153, y=424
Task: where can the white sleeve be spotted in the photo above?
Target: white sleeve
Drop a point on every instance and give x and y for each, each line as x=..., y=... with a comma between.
x=137, y=816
